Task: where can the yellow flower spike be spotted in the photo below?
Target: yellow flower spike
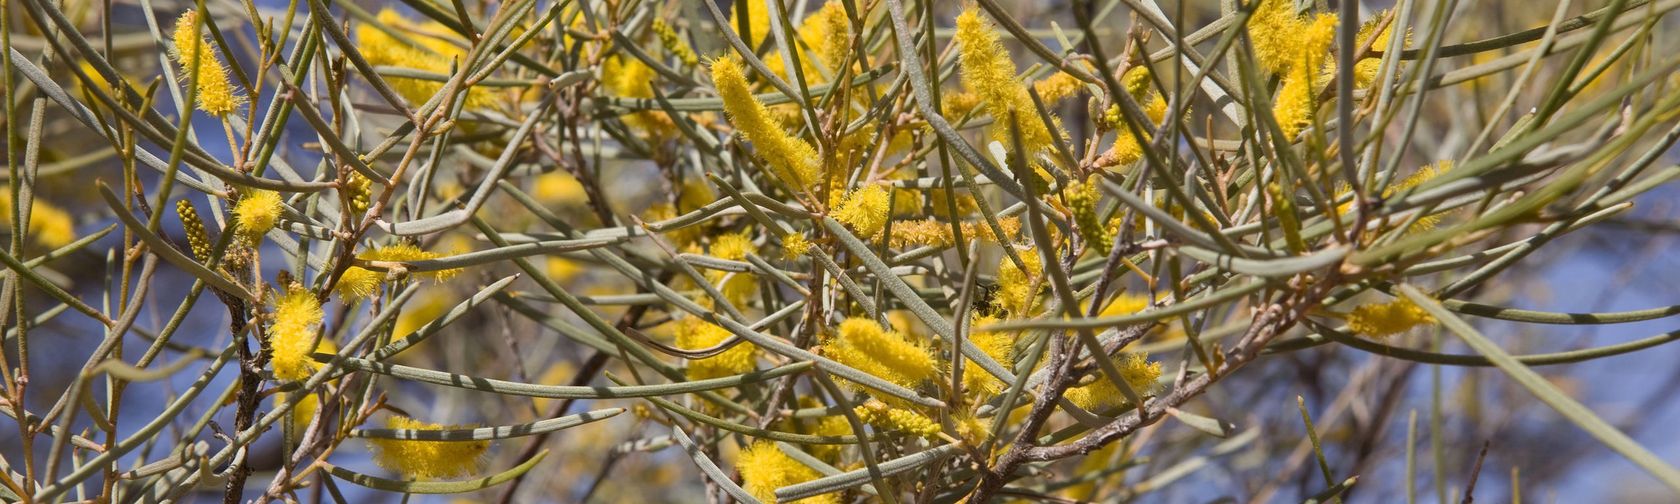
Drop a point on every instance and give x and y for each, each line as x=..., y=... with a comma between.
x=882, y=416
x=427, y=460
x=795, y=246
x=789, y=158
x=823, y=37
x=696, y=334
x=256, y=213
x=988, y=71
x=197, y=238
x=291, y=338
x=1387, y=319
x=936, y=233
x=358, y=282
x=1082, y=199
x=1000, y=346
x=404, y=252
x=216, y=95
x=764, y=468
x=758, y=22
x=863, y=344
x=1296, y=100
x=673, y=43
x=865, y=210
x=1135, y=369
x=1015, y=287
x=828, y=33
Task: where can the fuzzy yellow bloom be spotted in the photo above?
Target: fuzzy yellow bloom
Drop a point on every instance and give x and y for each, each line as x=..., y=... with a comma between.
x=694, y=193
x=1387, y=319
x=866, y=346
x=435, y=48
x=1420, y=176
x=256, y=212
x=1423, y=174
x=795, y=245
x=292, y=337
x=1057, y=86
x=48, y=225
x=1365, y=71
x=737, y=287
x=427, y=460
x=631, y=78
x=696, y=334
x=865, y=210
x=998, y=345
x=1275, y=32
x=832, y=425
x=988, y=71
x=882, y=416
x=973, y=430
x=954, y=105
x=764, y=468
x=559, y=188
x=358, y=282
x=682, y=237
x=557, y=373
x=303, y=412
x=1137, y=371
x=561, y=269
x=1018, y=289
x=937, y=233
x=1297, y=100
x=427, y=306
x=1124, y=304
x=790, y=158
x=216, y=95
